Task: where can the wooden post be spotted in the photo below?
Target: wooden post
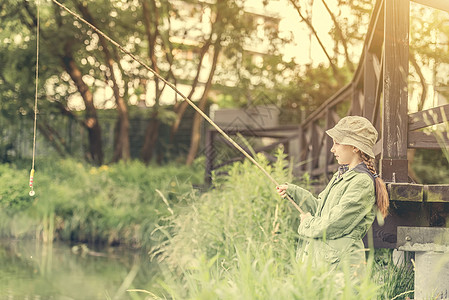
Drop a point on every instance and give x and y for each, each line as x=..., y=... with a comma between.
x=330, y=122
x=311, y=148
x=357, y=98
x=316, y=138
x=302, y=148
x=210, y=155
x=393, y=164
x=369, y=86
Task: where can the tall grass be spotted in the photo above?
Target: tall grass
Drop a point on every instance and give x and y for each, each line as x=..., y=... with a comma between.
x=238, y=241
x=395, y=278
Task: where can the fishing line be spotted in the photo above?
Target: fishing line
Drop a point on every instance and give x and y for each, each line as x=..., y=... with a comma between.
x=190, y=102
x=31, y=193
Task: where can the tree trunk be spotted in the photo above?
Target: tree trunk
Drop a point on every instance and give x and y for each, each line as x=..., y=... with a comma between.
x=334, y=68
x=181, y=108
x=151, y=37
x=95, y=153
x=151, y=136
x=341, y=36
x=198, y=119
x=51, y=136
x=121, y=138
x=151, y=22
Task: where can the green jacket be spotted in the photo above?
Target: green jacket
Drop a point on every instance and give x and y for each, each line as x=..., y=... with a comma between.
x=340, y=218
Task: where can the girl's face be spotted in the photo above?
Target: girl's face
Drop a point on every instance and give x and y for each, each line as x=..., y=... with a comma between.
x=346, y=155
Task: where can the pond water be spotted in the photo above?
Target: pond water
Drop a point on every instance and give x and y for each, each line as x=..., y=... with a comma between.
x=33, y=270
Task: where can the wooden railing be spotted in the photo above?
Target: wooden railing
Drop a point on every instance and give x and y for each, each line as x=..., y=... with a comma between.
x=378, y=91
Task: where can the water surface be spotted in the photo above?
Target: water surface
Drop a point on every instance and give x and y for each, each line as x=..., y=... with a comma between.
x=34, y=270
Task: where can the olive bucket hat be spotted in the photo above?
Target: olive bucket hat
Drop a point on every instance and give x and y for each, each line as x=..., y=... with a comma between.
x=355, y=131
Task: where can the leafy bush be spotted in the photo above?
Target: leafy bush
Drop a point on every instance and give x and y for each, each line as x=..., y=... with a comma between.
x=13, y=190
x=73, y=201
x=431, y=166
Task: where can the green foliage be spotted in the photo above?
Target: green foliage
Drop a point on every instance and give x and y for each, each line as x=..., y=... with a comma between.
x=431, y=166
x=111, y=204
x=13, y=190
x=235, y=211
x=395, y=279
x=236, y=241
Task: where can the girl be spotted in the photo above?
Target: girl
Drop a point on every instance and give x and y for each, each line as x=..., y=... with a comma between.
x=339, y=218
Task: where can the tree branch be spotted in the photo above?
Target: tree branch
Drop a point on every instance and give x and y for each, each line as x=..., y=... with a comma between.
x=151, y=37
x=309, y=24
x=341, y=36
x=422, y=79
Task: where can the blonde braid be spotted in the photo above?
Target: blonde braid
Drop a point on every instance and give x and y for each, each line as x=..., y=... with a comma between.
x=369, y=162
x=382, y=198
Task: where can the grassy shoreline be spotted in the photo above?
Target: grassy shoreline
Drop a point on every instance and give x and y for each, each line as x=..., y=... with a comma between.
x=234, y=241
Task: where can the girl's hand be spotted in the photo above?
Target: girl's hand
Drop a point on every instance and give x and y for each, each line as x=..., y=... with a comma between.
x=281, y=189
x=305, y=216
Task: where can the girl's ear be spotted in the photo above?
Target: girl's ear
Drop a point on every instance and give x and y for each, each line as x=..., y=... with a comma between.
x=355, y=150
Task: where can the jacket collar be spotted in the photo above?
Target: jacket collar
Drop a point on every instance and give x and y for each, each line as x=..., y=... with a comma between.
x=346, y=173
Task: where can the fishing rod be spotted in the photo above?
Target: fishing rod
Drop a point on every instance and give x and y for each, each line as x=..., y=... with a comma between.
x=190, y=102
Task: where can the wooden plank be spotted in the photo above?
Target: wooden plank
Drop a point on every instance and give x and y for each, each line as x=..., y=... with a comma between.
x=303, y=148
x=328, y=143
x=425, y=118
x=261, y=130
x=374, y=36
x=394, y=170
x=438, y=4
x=379, y=88
x=422, y=140
x=437, y=193
x=338, y=97
x=358, y=77
x=418, y=192
x=401, y=214
x=356, y=101
x=369, y=86
x=311, y=140
x=210, y=155
x=228, y=162
x=377, y=66
x=262, y=149
x=395, y=94
x=316, y=141
x=373, y=40
x=406, y=192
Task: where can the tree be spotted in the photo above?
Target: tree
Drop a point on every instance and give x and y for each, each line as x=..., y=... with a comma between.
x=214, y=55
x=59, y=44
x=68, y=47
x=121, y=140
